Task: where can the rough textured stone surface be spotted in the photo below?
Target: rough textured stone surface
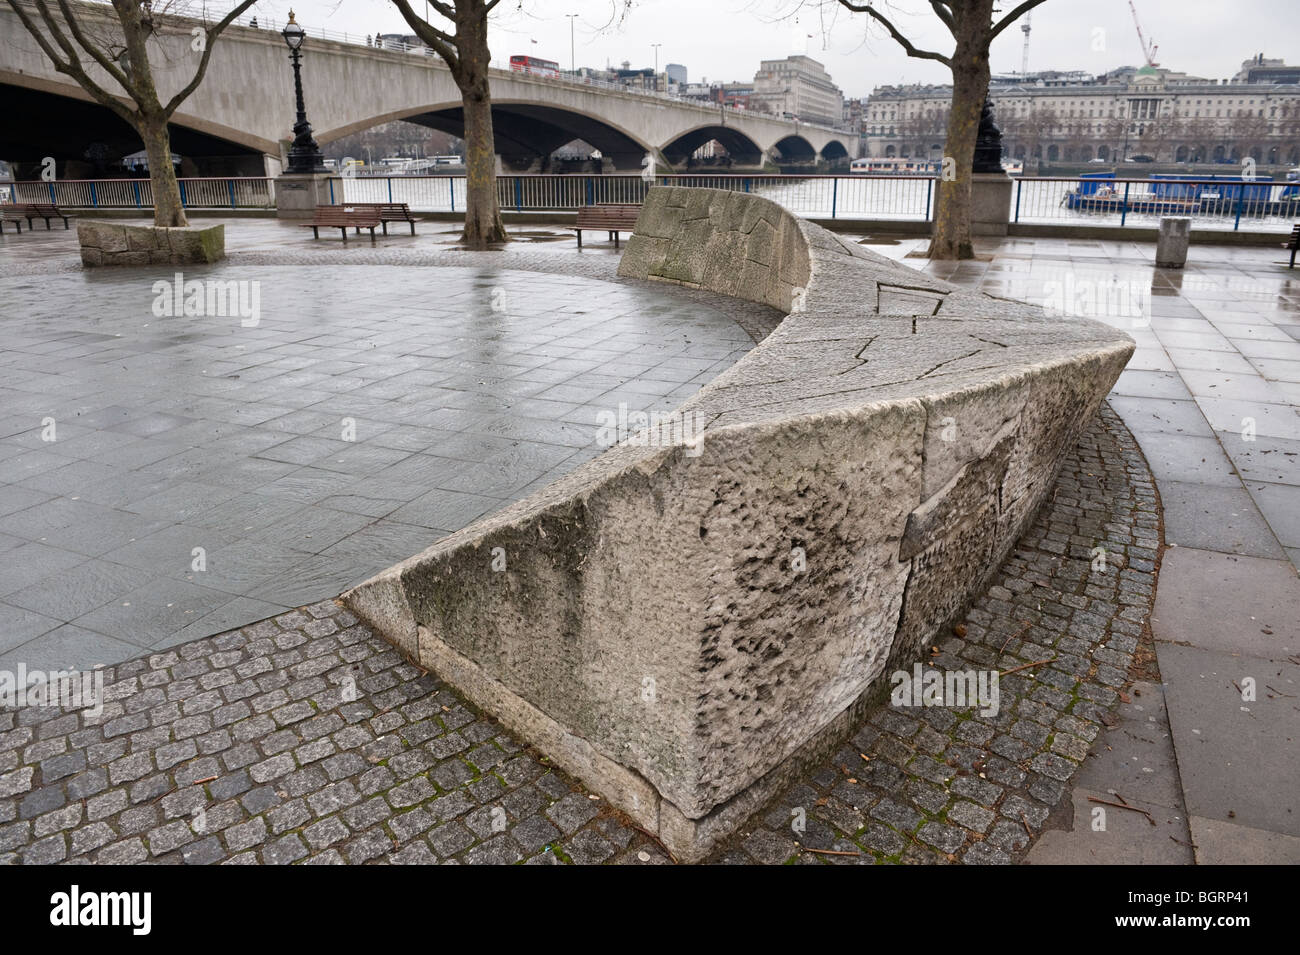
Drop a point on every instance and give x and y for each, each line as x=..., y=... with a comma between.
x=704, y=612
x=118, y=243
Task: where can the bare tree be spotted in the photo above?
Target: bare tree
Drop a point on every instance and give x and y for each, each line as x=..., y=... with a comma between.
x=465, y=51
x=973, y=29
x=120, y=49
x=1032, y=129
x=1250, y=134
x=1200, y=134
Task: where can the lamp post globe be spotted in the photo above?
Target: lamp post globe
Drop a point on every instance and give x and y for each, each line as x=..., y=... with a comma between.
x=304, y=155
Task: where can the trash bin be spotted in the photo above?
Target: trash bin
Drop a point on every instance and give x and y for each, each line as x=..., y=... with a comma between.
x=1171, y=246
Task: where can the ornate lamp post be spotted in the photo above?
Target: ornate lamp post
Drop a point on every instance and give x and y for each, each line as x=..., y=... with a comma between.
x=304, y=155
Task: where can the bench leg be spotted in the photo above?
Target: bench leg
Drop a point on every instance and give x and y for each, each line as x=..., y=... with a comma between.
x=385, y=227
x=579, y=238
x=412, y=228
x=1293, y=252
x=372, y=233
x=615, y=236
x=344, y=230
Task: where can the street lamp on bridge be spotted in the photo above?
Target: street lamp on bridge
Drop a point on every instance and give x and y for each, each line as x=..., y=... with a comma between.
x=304, y=155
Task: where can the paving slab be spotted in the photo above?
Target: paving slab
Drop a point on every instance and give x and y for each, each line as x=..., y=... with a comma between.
x=1129, y=837
x=1227, y=602
x=1280, y=505
x=1237, y=760
x=1189, y=458
x=1227, y=843
x=1216, y=518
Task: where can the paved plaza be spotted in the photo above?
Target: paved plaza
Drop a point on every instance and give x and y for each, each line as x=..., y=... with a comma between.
x=364, y=416
x=227, y=736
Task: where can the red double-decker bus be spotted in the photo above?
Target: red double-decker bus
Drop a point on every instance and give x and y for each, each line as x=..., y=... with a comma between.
x=531, y=64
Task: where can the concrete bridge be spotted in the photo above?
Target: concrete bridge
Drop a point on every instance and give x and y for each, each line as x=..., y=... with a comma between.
x=243, y=108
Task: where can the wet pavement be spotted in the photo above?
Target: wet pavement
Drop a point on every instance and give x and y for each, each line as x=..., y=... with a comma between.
x=168, y=476
x=1212, y=396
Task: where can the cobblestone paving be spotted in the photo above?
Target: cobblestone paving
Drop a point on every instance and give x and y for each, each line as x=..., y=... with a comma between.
x=306, y=738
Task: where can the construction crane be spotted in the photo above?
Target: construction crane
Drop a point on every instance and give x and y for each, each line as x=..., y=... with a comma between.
x=1024, y=58
x=1148, y=49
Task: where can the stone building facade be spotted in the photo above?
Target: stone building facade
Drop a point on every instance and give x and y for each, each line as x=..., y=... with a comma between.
x=798, y=87
x=1128, y=113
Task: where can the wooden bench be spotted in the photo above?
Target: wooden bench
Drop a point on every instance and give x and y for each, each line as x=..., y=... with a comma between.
x=1293, y=244
x=611, y=217
x=390, y=212
x=16, y=215
x=34, y=210
x=46, y=211
x=343, y=218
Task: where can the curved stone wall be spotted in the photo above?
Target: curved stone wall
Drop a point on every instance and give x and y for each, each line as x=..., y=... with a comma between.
x=687, y=619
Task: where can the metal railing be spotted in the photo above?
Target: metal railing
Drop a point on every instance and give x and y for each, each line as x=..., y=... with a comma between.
x=1257, y=206
x=829, y=197
x=223, y=192
x=1229, y=204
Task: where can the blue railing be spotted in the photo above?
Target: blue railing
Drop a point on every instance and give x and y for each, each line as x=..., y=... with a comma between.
x=1259, y=205
x=229, y=192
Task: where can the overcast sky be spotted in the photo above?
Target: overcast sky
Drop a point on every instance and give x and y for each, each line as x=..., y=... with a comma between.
x=725, y=39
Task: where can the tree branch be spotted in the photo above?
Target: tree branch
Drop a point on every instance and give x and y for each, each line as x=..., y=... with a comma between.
x=1013, y=16
x=942, y=11
x=211, y=35
x=72, y=65
x=902, y=41
x=98, y=55
x=441, y=43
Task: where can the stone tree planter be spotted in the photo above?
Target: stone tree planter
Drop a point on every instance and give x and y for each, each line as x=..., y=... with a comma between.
x=116, y=243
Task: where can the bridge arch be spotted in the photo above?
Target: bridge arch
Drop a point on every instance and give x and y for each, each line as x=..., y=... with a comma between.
x=740, y=147
x=49, y=118
x=524, y=130
x=835, y=153
x=794, y=149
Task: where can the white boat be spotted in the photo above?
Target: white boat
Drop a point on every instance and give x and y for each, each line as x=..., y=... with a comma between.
x=894, y=166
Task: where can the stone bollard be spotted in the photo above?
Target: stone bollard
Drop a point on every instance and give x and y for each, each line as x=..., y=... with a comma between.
x=1171, y=246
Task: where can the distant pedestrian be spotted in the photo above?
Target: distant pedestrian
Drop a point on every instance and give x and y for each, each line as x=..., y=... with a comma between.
x=253, y=23
x=368, y=39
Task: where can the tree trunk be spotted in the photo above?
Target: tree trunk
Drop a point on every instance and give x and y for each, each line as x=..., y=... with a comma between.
x=970, y=85
x=483, y=226
x=167, y=208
